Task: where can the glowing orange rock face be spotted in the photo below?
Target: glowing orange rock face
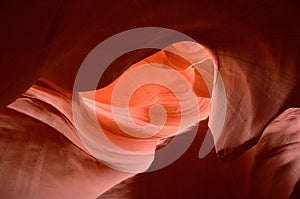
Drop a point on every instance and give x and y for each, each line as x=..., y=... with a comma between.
x=157, y=98
x=144, y=97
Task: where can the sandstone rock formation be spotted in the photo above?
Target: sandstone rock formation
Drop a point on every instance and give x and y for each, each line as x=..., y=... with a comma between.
x=255, y=46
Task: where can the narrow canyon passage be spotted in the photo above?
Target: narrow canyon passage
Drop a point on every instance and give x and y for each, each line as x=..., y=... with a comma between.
x=255, y=47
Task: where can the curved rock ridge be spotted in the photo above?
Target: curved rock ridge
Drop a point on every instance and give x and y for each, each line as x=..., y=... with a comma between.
x=142, y=107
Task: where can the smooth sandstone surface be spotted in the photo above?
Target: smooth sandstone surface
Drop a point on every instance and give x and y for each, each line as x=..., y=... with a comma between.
x=255, y=45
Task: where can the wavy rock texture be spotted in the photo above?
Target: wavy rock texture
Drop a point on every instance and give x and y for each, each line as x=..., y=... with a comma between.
x=256, y=47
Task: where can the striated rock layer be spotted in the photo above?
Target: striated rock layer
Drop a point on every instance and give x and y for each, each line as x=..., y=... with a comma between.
x=255, y=46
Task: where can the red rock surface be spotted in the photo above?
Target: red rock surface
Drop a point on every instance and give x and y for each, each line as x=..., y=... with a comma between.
x=256, y=46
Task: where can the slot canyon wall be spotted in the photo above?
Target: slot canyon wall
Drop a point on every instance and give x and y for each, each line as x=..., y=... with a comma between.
x=255, y=45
